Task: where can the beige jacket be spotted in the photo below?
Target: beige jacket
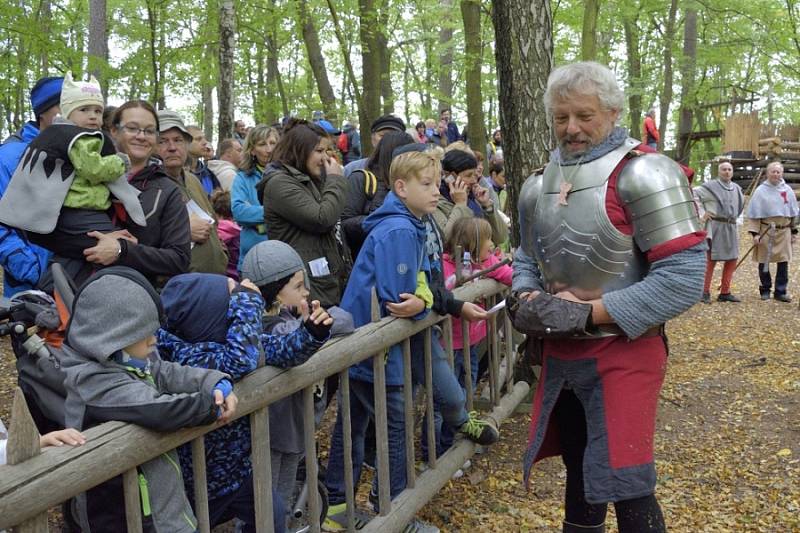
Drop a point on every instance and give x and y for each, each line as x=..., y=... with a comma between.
x=447, y=213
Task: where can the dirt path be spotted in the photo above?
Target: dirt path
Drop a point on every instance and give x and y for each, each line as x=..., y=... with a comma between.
x=728, y=440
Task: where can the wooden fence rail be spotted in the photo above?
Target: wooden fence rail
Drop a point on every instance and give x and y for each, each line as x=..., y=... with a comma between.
x=40, y=481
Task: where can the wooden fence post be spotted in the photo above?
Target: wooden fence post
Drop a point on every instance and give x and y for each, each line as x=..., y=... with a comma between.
x=23, y=443
x=381, y=418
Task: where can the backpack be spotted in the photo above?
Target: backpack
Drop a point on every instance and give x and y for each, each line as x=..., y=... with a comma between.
x=343, y=143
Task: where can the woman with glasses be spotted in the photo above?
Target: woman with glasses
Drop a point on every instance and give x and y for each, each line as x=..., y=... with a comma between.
x=161, y=249
x=149, y=232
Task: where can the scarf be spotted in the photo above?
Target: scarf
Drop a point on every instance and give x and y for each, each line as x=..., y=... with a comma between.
x=610, y=143
x=124, y=358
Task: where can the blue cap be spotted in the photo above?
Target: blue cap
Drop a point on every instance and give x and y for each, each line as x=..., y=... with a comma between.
x=328, y=127
x=46, y=94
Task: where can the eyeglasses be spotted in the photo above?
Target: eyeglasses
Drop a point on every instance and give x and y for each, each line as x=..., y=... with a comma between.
x=132, y=130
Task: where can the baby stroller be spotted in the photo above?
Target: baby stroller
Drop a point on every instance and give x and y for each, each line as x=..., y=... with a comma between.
x=35, y=322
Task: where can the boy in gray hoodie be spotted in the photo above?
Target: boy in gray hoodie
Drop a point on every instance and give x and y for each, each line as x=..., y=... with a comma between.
x=113, y=372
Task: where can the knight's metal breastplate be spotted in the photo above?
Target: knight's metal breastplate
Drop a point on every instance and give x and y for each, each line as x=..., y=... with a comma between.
x=576, y=245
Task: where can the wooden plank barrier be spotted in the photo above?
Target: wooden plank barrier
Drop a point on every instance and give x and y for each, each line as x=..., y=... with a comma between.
x=33, y=482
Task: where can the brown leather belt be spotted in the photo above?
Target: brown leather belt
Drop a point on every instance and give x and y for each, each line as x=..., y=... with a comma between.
x=777, y=227
x=726, y=220
x=613, y=329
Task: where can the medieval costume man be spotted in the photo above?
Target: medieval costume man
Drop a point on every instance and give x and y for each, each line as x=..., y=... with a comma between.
x=772, y=223
x=612, y=248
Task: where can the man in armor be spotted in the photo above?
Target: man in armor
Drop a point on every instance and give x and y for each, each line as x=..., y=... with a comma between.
x=720, y=203
x=611, y=249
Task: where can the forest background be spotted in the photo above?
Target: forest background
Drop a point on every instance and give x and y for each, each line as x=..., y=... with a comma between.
x=217, y=60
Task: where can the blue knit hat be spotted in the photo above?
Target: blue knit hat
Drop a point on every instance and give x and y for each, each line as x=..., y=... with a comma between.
x=46, y=94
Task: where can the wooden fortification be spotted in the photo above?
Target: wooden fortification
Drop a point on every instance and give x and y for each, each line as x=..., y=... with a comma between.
x=751, y=146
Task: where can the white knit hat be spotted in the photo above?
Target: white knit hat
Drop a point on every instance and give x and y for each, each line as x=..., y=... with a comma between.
x=75, y=94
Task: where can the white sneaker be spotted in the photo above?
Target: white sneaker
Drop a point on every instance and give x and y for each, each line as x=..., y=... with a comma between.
x=466, y=465
x=457, y=474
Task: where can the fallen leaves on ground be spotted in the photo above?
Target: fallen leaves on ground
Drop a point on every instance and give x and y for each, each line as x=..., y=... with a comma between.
x=728, y=437
x=727, y=444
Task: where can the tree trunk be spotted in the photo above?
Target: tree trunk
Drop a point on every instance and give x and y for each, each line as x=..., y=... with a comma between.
x=274, y=74
x=406, y=91
x=343, y=46
x=370, y=108
x=317, y=61
x=684, y=151
x=271, y=84
x=524, y=55
x=476, y=130
x=427, y=99
x=207, y=93
x=446, y=58
x=154, y=43
x=209, y=70
x=258, y=82
x=770, y=97
x=227, y=46
x=45, y=19
x=666, y=92
x=162, y=65
x=630, y=25
x=387, y=93
x=591, y=10
x=98, y=41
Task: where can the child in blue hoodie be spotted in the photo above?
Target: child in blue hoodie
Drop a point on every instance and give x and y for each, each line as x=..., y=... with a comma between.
x=392, y=260
x=279, y=273
x=215, y=323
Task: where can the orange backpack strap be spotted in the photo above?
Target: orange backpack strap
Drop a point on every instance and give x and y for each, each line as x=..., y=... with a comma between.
x=55, y=337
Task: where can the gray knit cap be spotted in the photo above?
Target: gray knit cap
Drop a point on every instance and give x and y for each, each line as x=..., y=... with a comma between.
x=270, y=261
x=111, y=313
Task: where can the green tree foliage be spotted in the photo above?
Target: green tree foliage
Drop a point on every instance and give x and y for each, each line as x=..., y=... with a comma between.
x=167, y=51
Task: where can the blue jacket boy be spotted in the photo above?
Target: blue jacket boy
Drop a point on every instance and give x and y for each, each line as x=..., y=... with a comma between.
x=390, y=260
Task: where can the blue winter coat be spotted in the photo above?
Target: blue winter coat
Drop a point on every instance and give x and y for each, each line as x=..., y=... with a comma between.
x=389, y=260
x=228, y=448
x=247, y=211
x=23, y=263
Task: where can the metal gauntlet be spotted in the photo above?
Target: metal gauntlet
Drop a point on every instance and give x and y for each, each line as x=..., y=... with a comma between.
x=549, y=317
